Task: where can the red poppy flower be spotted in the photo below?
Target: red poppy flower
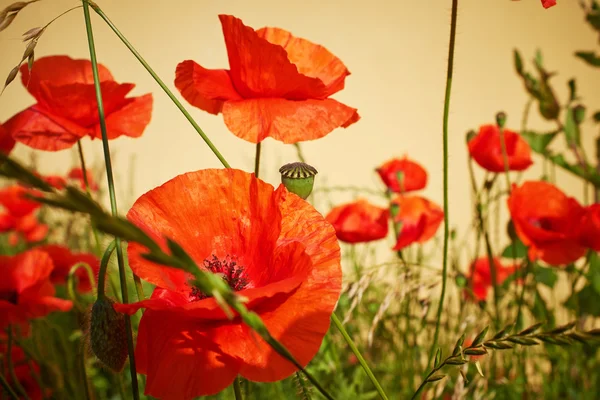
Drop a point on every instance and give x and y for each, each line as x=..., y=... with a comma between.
x=402, y=175
x=419, y=219
x=486, y=149
x=481, y=278
x=77, y=174
x=13, y=199
x=547, y=221
x=23, y=370
x=548, y=3
x=66, y=108
x=590, y=227
x=277, y=86
x=63, y=260
x=57, y=182
x=359, y=222
x=25, y=288
x=271, y=246
x=6, y=141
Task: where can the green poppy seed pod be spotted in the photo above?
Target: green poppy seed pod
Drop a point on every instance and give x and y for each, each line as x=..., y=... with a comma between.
x=501, y=119
x=108, y=335
x=298, y=178
x=579, y=113
x=470, y=135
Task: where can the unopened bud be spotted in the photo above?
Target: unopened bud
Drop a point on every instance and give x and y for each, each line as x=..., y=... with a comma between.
x=298, y=178
x=108, y=337
x=501, y=119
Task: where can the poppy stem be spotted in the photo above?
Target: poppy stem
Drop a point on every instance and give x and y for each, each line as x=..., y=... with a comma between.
x=7, y=388
x=450, y=69
x=257, y=159
x=112, y=195
x=237, y=390
x=11, y=366
x=359, y=356
x=299, y=152
x=87, y=190
x=164, y=87
x=103, y=267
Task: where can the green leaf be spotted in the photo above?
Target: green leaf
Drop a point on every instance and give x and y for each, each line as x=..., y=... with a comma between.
x=596, y=116
x=586, y=301
x=539, y=141
x=545, y=276
x=572, y=90
x=594, y=19
x=518, y=62
x=591, y=175
x=436, y=377
x=480, y=338
x=589, y=57
x=515, y=250
x=572, y=129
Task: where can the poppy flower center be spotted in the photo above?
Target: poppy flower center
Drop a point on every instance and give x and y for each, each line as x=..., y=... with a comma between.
x=9, y=295
x=542, y=223
x=231, y=272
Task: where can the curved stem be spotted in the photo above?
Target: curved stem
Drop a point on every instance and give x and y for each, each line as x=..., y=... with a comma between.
x=359, y=356
x=7, y=388
x=445, y=162
x=71, y=279
x=299, y=152
x=104, y=266
x=11, y=366
x=237, y=390
x=164, y=87
x=113, y=199
x=257, y=159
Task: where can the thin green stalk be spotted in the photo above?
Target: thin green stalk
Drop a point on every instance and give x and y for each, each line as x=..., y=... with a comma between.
x=86, y=384
x=112, y=195
x=237, y=390
x=7, y=388
x=87, y=190
x=11, y=366
x=505, y=158
x=299, y=152
x=257, y=159
x=103, y=267
x=445, y=163
x=164, y=87
x=359, y=356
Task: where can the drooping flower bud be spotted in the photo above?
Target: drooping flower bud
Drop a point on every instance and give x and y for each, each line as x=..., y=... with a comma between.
x=108, y=337
x=298, y=178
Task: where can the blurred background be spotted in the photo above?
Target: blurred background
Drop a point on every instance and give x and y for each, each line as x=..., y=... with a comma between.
x=395, y=50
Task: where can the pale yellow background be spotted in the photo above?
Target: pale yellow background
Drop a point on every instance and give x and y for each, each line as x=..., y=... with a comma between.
x=396, y=51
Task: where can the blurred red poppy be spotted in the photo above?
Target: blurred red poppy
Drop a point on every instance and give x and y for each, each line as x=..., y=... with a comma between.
x=402, y=175
x=77, y=174
x=25, y=288
x=63, y=260
x=548, y=3
x=66, y=108
x=481, y=279
x=589, y=229
x=23, y=370
x=486, y=149
x=6, y=141
x=419, y=220
x=277, y=86
x=18, y=216
x=359, y=222
x=13, y=199
x=547, y=221
x=57, y=182
x=269, y=245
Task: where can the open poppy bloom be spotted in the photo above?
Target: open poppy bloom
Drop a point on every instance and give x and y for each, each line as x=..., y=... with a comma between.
x=277, y=86
x=270, y=246
x=77, y=174
x=403, y=175
x=66, y=108
x=63, y=260
x=6, y=141
x=359, y=221
x=25, y=288
x=547, y=221
x=419, y=220
x=548, y=3
x=17, y=216
x=13, y=199
x=590, y=227
x=486, y=149
x=481, y=279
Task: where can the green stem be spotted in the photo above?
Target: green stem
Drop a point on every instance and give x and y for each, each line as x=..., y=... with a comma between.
x=522, y=297
x=505, y=158
x=299, y=152
x=257, y=159
x=7, y=388
x=87, y=190
x=103, y=268
x=445, y=163
x=237, y=390
x=359, y=356
x=112, y=195
x=72, y=279
x=11, y=366
x=164, y=87
x=86, y=384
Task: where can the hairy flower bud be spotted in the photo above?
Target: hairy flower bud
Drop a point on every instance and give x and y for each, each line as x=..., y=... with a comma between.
x=108, y=335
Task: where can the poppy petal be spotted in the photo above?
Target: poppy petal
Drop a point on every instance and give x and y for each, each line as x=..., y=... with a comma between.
x=285, y=120
x=60, y=70
x=359, y=221
x=204, y=88
x=262, y=69
x=36, y=128
x=13, y=199
x=130, y=120
x=6, y=140
x=311, y=59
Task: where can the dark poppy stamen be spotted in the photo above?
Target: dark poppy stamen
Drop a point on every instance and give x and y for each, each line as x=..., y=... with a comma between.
x=233, y=273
